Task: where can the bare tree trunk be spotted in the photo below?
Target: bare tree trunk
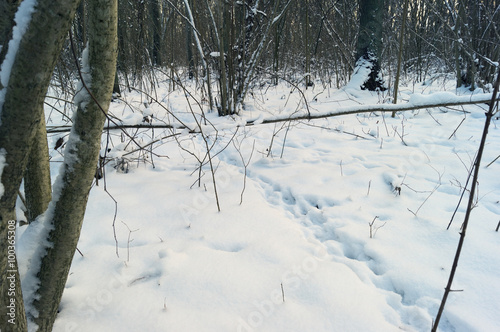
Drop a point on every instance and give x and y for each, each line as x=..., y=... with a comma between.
x=155, y=9
x=37, y=177
x=400, y=54
x=66, y=212
x=31, y=70
x=189, y=42
x=465, y=59
x=369, y=46
x=37, y=183
x=7, y=11
x=307, y=50
x=224, y=86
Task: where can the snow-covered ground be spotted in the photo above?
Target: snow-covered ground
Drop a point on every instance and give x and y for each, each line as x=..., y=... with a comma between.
x=336, y=224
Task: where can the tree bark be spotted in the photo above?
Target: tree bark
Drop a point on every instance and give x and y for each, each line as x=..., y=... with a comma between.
x=66, y=212
x=155, y=9
x=189, y=44
x=400, y=55
x=32, y=68
x=369, y=45
x=465, y=62
x=37, y=183
x=8, y=9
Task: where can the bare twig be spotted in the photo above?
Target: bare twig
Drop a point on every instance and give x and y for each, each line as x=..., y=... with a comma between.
x=427, y=198
x=493, y=161
x=464, y=189
x=433, y=118
x=373, y=230
x=470, y=203
x=284, y=139
x=84, y=84
x=115, y=213
x=336, y=130
x=400, y=136
x=245, y=166
x=454, y=131
x=129, y=240
x=208, y=149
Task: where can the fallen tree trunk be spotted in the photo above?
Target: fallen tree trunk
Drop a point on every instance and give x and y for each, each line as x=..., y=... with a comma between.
x=420, y=102
x=417, y=102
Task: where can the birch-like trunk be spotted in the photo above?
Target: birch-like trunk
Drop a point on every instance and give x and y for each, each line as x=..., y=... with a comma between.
x=66, y=212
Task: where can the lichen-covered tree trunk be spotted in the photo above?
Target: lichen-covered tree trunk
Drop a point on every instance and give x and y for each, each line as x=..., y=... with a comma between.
x=369, y=45
x=37, y=177
x=37, y=183
x=31, y=70
x=66, y=211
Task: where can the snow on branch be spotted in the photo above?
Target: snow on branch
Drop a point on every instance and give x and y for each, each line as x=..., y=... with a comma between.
x=417, y=101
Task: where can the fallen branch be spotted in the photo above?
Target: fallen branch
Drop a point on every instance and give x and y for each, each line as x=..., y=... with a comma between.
x=452, y=100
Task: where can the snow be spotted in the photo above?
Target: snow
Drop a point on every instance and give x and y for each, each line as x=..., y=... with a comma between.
x=436, y=98
x=82, y=97
x=22, y=19
x=2, y=165
x=296, y=254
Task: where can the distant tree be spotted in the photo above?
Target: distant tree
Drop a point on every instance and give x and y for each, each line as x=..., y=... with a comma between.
x=476, y=41
x=235, y=37
x=369, y=45
x=244, y=31
x=156, y=31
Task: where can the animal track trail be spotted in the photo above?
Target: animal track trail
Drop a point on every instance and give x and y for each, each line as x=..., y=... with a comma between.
x=315, y=213
x=308, y=208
